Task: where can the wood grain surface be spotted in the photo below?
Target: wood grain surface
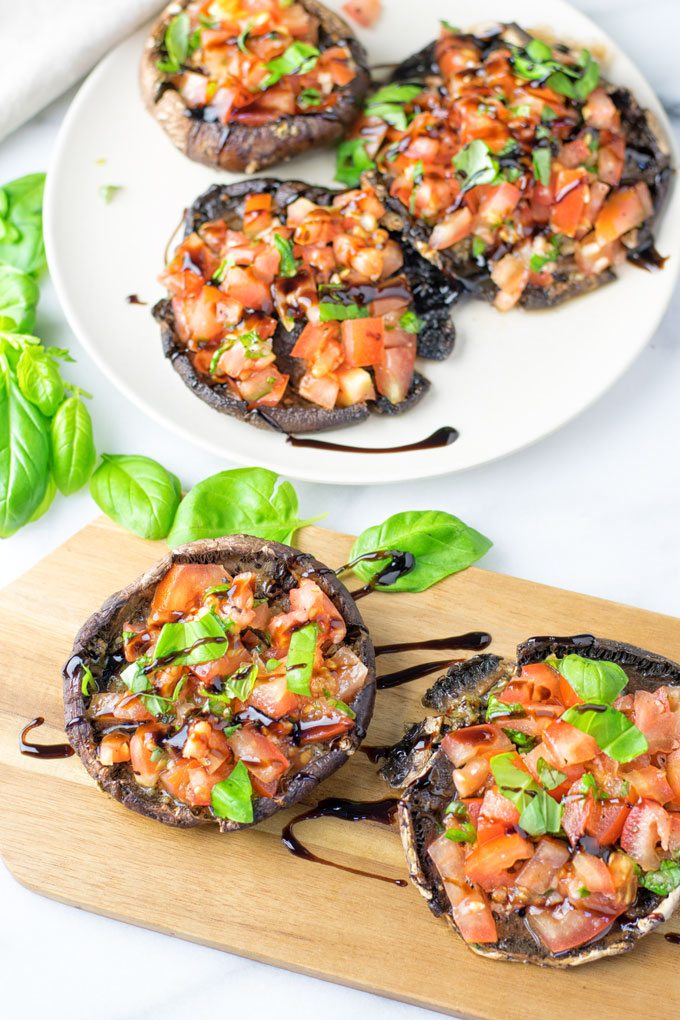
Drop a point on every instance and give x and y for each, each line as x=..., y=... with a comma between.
x=62, y=837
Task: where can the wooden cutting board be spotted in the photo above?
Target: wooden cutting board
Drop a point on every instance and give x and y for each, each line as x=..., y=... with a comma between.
x=62, y=837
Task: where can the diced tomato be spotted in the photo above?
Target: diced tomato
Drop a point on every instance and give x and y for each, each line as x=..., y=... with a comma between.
x=600, y=112
x=274, y=699
x=364, y=12
x=652, y=714
x=511, y=275
x=605, y=888
x=227, y=664
x=649, y=782
x=323, y=392
x=470, y=777
x=243, y=285
x=673, y=773
x=313, y=337
x=498, y=204
x=575, y=815
x=610, y=161
x=207, y=745
x=329, y=725
x=674, y=838
x=363, y=341
x=499, y=808
x=623, y=210
x=530, y=760
x=182, y=588
x=355, y=387
x=487, y=739
x=570, y=197
x=538, y=875
x=114, y=748
x=605, y=820
x=575, y=152
x=545, y=681
x=562, y=928
x=393, y=377
x=257, y=214
x=309, y=600
x=469, y=906
x=568, y=695
x=261, y=756
x=489, y=863
x=350, y=674
x=593, y=257
x=474, y=806
x=452, y=229
x=265, y=387
x=143, y=743
x=567, y=745
x=647, y=827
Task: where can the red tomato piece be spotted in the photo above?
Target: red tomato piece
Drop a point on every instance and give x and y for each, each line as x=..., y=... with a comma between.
x=567, y=745
x=452, y=229
x=486, y=739
x=562, y=928
x=182, y=588
x=469, y=906
x=355, y=387
x=394, y=375
x=114, y=747
x=649, y=782
x=570, y=197
x=274, y=699
x=489, y=863
x=313, y=337
x=364, y=12
x=323, y=392
x=363, y=341
x=471, y=776
x=646, y=827
x=538, y=875
x=652, y=714
x=261, y=756
x=142, y=745
x=623, y=210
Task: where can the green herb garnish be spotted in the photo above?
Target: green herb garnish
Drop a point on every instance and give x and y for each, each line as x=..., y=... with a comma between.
x=663, y=881
x=410, y=322
x=611, y=730
x=389, y=101
x=351, y=160
x=299, y=58
x=300, y=659
x=179, y=43
x=288, y=265
x=549, y=777
x=331, y=311
x=233, y=797
x=595, y=680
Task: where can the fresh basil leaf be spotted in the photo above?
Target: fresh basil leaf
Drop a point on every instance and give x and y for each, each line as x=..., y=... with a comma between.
x=39, y=379
x=288, y=264
x=539, y=50
x=19, y=294
x=88, y=684
x=464, y=832
x=542, y=159
x=588, y=784
x=300, y=659
x=309, y=97
x=520, y=798
x=233, y=797
x=537, y=261
x=541, y=815
x=509, y=776
x=389, y=101
x=341, y=706
x=47, y=500
x=440, y=543
x=219, y=589
x=663, y=881
x=176, y=43
x=299, y=58
x=137, y=493
x=561, y=83
x=478, y=248
x=595, y=680
x=24, y=454
x=351, y=160
x=240, y=684
x=21, y=237
x=73, y=449
x=523, y=741
x=496, y=708
x=590, y=78
x=457, y=808
x=476, y=165
x=331, y=311
x=410, y=322
x=549, y=777
x=610, y=729
x=183, y=635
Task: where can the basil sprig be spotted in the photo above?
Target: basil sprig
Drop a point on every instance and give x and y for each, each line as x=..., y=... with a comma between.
x=441, y=544
x=595, y=680
x=463, y=832
x=179, y=43
x=300, y=659
x=576, y=81
x=539, y=813
x=611, y=730
x=351, y=160
x=389, y=101
x=233, y=797
x=299, y=58
x=137, y=493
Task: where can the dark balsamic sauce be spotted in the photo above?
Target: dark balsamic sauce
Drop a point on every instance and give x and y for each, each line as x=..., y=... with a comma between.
x=375, y=752
x=134, y=299
x=32, y=750
x=444, y=436
x=381, y=811
x=673, y=937
x=406, y=676
x=647, y=258
x=473, y=641
x=166, y=660
x=401, y=563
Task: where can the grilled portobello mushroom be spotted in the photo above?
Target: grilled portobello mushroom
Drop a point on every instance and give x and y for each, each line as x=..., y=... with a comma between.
x=541, y=809
x=181, y=698
x=513, y=166
x=251, y=85
x=290, y=308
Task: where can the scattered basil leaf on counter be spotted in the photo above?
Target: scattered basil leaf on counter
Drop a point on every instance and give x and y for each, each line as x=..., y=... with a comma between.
x=549, y=777
x=183, y=635
x=332, y=311
x=40, y=380
x=351, y=160
x=21, y=238
x=389, y=101
x=441, y=544
x=300, y=659
x=288, y=265
x=594, y=680
x=47, y=500
x=233, y=797
x=73, y=450
x=137, y=493
x=109, y=191
x=299, y=58
x=24, y=453
x=19, y=294
x=541, y=815
x=464, y=832
x=612, y=731
x=663, y=881
x=240, y=501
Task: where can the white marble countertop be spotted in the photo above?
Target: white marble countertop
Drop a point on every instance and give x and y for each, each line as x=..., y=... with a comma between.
x=594, y=508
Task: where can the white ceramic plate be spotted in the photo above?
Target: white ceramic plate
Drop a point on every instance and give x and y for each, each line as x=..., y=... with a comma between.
x=512, y=378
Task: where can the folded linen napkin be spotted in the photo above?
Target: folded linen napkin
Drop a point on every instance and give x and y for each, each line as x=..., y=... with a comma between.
x=49, y=46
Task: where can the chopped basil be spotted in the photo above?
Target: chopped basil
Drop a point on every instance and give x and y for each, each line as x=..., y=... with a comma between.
x=137, y=682
x=523, y=110
x=219, y=589
x=588, y=784
x=330, y=311
x=663, y=881
x=255, y=347
x=539, y=50
x=109, y=191
x=536, y=63
x=240, y=684
x=583, y=892
x=228, y=730
x=508, y=775
x=448, y=26
x=548, y=114
x=157, y=754
x=536, y=262
x=496, y=708
x=542, y=158
x=183, y=635
x=351, y=159
x=288, y=264
x=523, y=741
x=595, y=680
x=543, y=132
x=457, y=808
x=300, y=659
x=233, y=797
x=478, y=248
x=611, y=730
x=272, y=664
x=590, y=77
x=221, y=270
x=541, y=815
x=410, y=322
x=309, y=97
x=242, y=37
x=88, y=684
x=465, y=832
x=299, y=58
x=476, y=165
x=341, y=706
x=389, y=101
x=550, y=777
x=179, y=43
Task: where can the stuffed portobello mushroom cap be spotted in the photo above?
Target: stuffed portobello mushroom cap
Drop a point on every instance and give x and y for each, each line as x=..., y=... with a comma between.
x=433, y=296
x=419, y=766
x=243, y=147
x=99, y=647
x=645, y=161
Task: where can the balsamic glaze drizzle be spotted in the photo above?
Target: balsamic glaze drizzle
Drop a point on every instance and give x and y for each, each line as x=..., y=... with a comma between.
x=27, y=747
x=381, y=811
x=134, y=299
x=444, y=436
x=673, y=937
x=400, y=564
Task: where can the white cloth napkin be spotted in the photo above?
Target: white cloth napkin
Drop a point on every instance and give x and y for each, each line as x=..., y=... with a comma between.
x=49, y=44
